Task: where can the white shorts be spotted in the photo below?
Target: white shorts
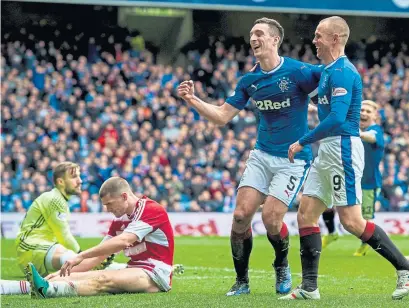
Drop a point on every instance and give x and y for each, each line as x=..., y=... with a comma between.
x=274, y=176
x=158, y=271
x=335, y=175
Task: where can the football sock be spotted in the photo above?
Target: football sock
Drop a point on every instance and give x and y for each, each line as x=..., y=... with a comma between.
x=310, y=250
x=328, y=217
x=14, y=287
x=62, y=289
x=280, y=243
x=375, y=237
x=241, y=245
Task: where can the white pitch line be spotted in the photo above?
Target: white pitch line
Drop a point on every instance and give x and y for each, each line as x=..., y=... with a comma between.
x=231, y=270
x=8, y=259
x=184, y=277
x=223, y=269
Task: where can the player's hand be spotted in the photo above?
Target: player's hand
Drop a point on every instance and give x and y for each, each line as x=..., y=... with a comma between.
x=53, y=275
x=68, y=265
x=186, y=90
x=294, y=149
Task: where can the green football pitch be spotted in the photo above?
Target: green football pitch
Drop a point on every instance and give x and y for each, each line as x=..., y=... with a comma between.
x=345, y=281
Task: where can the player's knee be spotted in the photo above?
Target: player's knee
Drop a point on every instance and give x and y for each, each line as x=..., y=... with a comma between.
x=301, y=215
x=353, y=226
x=306, y=218
x=103, y=284
x=241, y=216
x=348, y=226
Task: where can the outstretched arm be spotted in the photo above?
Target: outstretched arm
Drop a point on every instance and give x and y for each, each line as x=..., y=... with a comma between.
x=219, y=115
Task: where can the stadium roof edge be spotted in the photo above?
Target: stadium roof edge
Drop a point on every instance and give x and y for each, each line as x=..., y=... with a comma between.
x=264, y=9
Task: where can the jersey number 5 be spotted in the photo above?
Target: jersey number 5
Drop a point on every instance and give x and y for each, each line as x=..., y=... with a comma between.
x=291, y=185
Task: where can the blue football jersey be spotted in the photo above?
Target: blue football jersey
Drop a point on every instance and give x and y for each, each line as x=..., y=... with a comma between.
x=372, y=178
x=281, y=96
x=339, y=102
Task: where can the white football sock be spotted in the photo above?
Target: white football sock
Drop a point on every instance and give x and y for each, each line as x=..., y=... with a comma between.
x=14, y=287
x=62, y=289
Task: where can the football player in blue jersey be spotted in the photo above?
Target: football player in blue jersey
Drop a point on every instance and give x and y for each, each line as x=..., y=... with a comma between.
x=335, y=175
x=279, y=87
x=374, y=145
x=372, y=136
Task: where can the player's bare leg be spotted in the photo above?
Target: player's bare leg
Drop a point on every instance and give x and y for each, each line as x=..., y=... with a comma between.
x=241, y=239
x=277, y=233
x=129, y=280
x=77, y=276
x=352, y=220
x=308, y=215
x=178, y=269
x=54, y=259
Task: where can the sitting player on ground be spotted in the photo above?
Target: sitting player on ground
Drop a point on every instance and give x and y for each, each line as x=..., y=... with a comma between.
x=45, y=238
x=141, y=229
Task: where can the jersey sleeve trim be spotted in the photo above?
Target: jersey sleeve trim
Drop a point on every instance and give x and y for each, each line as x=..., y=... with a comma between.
x=139, y=228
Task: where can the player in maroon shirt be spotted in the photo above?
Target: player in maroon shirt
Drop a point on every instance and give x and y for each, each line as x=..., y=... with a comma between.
x=141, y=230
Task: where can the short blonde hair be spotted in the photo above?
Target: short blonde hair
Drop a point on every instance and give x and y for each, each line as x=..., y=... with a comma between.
x=370, y=103
x=114, y=186
x=60, y=170
x=339, y=26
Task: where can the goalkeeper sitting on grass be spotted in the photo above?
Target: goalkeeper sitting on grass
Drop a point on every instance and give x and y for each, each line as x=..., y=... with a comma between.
x=45, y=238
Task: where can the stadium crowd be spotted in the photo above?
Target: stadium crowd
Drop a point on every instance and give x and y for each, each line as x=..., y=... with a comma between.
x=101, y=101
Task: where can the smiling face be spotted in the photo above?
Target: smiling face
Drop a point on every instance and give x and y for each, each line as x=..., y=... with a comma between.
x=368, y=115
x=323, y=41
x=330, y=38
x=263, y=41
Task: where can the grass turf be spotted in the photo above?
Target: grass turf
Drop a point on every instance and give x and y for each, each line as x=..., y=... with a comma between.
x=345, y=281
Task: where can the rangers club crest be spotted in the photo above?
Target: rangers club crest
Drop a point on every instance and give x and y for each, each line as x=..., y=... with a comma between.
x=284, y=84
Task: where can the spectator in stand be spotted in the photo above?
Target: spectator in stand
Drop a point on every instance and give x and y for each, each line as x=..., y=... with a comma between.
x=69, y=94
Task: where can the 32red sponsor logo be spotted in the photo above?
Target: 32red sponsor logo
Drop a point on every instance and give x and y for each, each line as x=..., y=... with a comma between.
x=202, y=229
x=396, y=226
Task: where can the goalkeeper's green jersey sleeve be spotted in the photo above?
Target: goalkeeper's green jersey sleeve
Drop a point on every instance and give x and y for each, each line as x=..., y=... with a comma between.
x=46, y=222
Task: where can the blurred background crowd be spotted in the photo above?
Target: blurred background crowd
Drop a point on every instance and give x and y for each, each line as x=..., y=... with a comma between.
x=98, y=97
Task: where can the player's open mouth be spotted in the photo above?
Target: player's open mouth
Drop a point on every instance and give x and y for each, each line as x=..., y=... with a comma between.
x=256, y=48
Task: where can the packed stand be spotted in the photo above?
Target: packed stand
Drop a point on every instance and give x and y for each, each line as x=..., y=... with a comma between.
x=115, y=112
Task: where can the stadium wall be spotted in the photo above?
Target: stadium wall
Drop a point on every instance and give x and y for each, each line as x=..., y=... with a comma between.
x=167, y=29
x=301, y=26
x=90, y=225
